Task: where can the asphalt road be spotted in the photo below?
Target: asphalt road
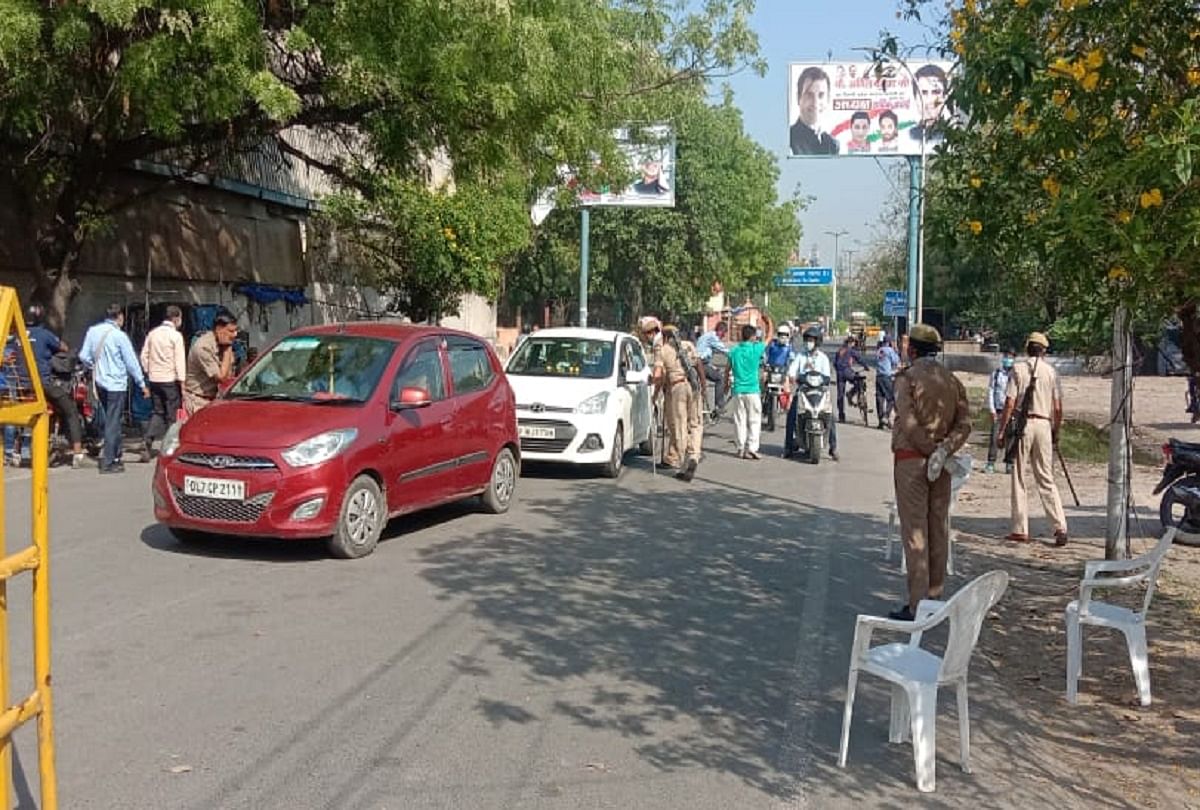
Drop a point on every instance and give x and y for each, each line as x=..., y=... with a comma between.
x=633, y=644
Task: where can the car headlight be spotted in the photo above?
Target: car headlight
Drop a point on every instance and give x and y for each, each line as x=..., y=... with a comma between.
x=593, y=404
x=319, y=448
x=170, y=440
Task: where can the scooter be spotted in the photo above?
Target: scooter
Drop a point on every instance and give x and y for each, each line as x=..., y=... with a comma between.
x=78, y=381
x=1180, y=488
x=774, y=398
x=814, y=412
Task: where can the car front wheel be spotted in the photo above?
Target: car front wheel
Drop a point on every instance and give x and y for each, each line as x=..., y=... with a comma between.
x=617, y=460
x=361, y=520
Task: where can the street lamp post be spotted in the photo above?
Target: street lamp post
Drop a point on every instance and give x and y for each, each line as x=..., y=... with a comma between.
x=836, y=235
x=849, y=278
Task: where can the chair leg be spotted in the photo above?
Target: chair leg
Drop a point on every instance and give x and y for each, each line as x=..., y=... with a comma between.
x=891, y=535
x=899, y=723
x=964, y=727
x=851, y=686
x=1135, y=639
x=950, y=540
x=1074, y=655
x=923, y=713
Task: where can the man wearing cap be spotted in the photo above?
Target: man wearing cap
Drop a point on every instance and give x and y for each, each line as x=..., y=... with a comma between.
x=887, y=363
x=1038, y=440
x=932, y=422
x=681, y=397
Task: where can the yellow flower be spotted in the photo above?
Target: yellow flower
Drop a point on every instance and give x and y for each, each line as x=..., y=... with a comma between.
x=1071, y=5
x=1118, y=273
x=1060, y=98
x=1071, y=114
x=1062, y=66
x=1090, y=81
x=1094, y=59
x=976, y=182
x=1031, y=217
x=1151, y=198
x=976, y=226
x=1052, y=186
x=1193, y=76
x=1124, y=217
x=1138, y=51
x=1020, y=3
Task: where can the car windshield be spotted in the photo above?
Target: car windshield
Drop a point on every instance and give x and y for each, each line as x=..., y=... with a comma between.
x=317, y=368
x=563, y=357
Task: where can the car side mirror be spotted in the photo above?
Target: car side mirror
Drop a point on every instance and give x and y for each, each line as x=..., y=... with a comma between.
x=411, y=399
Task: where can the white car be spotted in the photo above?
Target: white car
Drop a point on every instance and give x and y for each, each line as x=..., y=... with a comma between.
x=583, y=397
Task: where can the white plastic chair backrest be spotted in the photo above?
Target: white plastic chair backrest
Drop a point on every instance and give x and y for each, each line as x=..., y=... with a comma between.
x=966, y=611
x=1154, y=559
x=959, y=466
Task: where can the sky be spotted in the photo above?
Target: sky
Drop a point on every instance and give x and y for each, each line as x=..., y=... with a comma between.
x=849, y=193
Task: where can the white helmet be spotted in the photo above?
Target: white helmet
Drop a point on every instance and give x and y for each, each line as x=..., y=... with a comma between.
x=784, y=330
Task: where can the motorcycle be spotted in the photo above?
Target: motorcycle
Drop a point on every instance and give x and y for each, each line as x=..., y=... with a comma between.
x=1180, y=488
x=774, y=398
x=814, y=412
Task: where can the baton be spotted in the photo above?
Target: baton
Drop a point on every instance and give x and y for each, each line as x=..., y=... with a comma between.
x=1063, y=462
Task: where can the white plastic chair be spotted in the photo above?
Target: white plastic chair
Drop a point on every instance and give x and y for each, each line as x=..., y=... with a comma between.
x=916, y=674
x=1131, y=623
x=959, y=466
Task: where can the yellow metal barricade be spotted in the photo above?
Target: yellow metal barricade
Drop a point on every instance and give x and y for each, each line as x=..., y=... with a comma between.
x=23, y=405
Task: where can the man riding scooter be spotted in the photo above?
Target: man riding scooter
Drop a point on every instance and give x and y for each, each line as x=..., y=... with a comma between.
x=776, y=360
x=808, y=359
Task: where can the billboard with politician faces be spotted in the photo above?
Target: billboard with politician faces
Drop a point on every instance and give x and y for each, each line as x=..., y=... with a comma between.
x=858, y=108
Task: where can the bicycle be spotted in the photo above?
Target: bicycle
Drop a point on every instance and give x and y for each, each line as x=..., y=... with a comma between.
x=858, y=396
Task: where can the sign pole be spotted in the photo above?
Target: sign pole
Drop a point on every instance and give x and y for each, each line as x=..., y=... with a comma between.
x=584, y=227
x=914, y=237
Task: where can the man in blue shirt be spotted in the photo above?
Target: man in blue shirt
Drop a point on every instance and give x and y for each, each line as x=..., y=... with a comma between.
x=843, y=364
x=997, y=392
x=887, y=363
x=45, y=344
x=779, y=351
x=108, y=352
x=710, y=343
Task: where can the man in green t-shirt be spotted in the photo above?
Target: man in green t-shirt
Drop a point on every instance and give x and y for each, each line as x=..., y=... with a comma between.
x=745, y=361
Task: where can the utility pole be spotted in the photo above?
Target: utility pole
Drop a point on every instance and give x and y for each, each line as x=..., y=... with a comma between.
x=836, y=236
x=849, y=278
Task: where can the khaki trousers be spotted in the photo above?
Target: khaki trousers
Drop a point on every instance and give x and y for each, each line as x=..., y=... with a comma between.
x=685, y=431
x=924, y=508
x=1037, y=446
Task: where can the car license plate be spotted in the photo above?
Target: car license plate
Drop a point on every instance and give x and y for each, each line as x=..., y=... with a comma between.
x=533, y=432
x=224, y=489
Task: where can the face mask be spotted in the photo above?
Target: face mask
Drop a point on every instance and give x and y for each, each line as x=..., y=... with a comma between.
x=1007, y=362
x=810, y=344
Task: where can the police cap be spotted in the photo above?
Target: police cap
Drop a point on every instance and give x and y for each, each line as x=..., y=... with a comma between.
x=1038, y=339
x=924, y=333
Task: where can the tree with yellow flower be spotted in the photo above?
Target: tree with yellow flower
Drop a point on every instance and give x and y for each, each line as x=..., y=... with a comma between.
x=1088, y=134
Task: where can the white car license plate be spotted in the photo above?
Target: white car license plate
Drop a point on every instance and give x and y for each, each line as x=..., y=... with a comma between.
x=224, y=489
x=533, y=432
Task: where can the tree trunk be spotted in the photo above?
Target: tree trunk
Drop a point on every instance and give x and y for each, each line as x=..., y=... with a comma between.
x=1121, y=409
x=1189, y=341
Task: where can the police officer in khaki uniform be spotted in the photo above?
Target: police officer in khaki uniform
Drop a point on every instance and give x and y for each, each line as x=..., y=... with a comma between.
x=1038, y=440
x=932, y=422
x=682, y=402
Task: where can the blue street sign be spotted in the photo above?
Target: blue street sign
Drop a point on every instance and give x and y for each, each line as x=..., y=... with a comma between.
x=895, y=304
x=805, y=277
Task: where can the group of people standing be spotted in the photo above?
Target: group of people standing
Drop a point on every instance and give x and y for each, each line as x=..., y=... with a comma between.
x=178, y=381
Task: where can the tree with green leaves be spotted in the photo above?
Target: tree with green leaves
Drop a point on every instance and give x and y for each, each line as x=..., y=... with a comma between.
x=87, y=88
x=727, y=226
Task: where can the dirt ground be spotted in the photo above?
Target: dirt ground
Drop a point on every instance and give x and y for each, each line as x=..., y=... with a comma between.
x=1120, y=752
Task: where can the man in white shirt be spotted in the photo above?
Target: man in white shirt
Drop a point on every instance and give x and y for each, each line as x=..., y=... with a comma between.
x=165, y=360
x=808, y=358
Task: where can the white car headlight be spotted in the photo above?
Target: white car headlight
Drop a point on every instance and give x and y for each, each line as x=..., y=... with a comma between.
x=319, y=448
x=593, y=404
x=170, y=440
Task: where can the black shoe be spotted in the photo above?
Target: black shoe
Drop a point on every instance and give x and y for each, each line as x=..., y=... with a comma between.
x=112, y=468
x=688, y=472
x=833, y=455
x=904, y=614
x=842, y=420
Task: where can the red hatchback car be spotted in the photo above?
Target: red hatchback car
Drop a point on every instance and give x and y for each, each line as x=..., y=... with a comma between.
x=335, y=430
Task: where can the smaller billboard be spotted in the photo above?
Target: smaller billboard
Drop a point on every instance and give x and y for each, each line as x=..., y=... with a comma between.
x=651, y=173
x=856, y=109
